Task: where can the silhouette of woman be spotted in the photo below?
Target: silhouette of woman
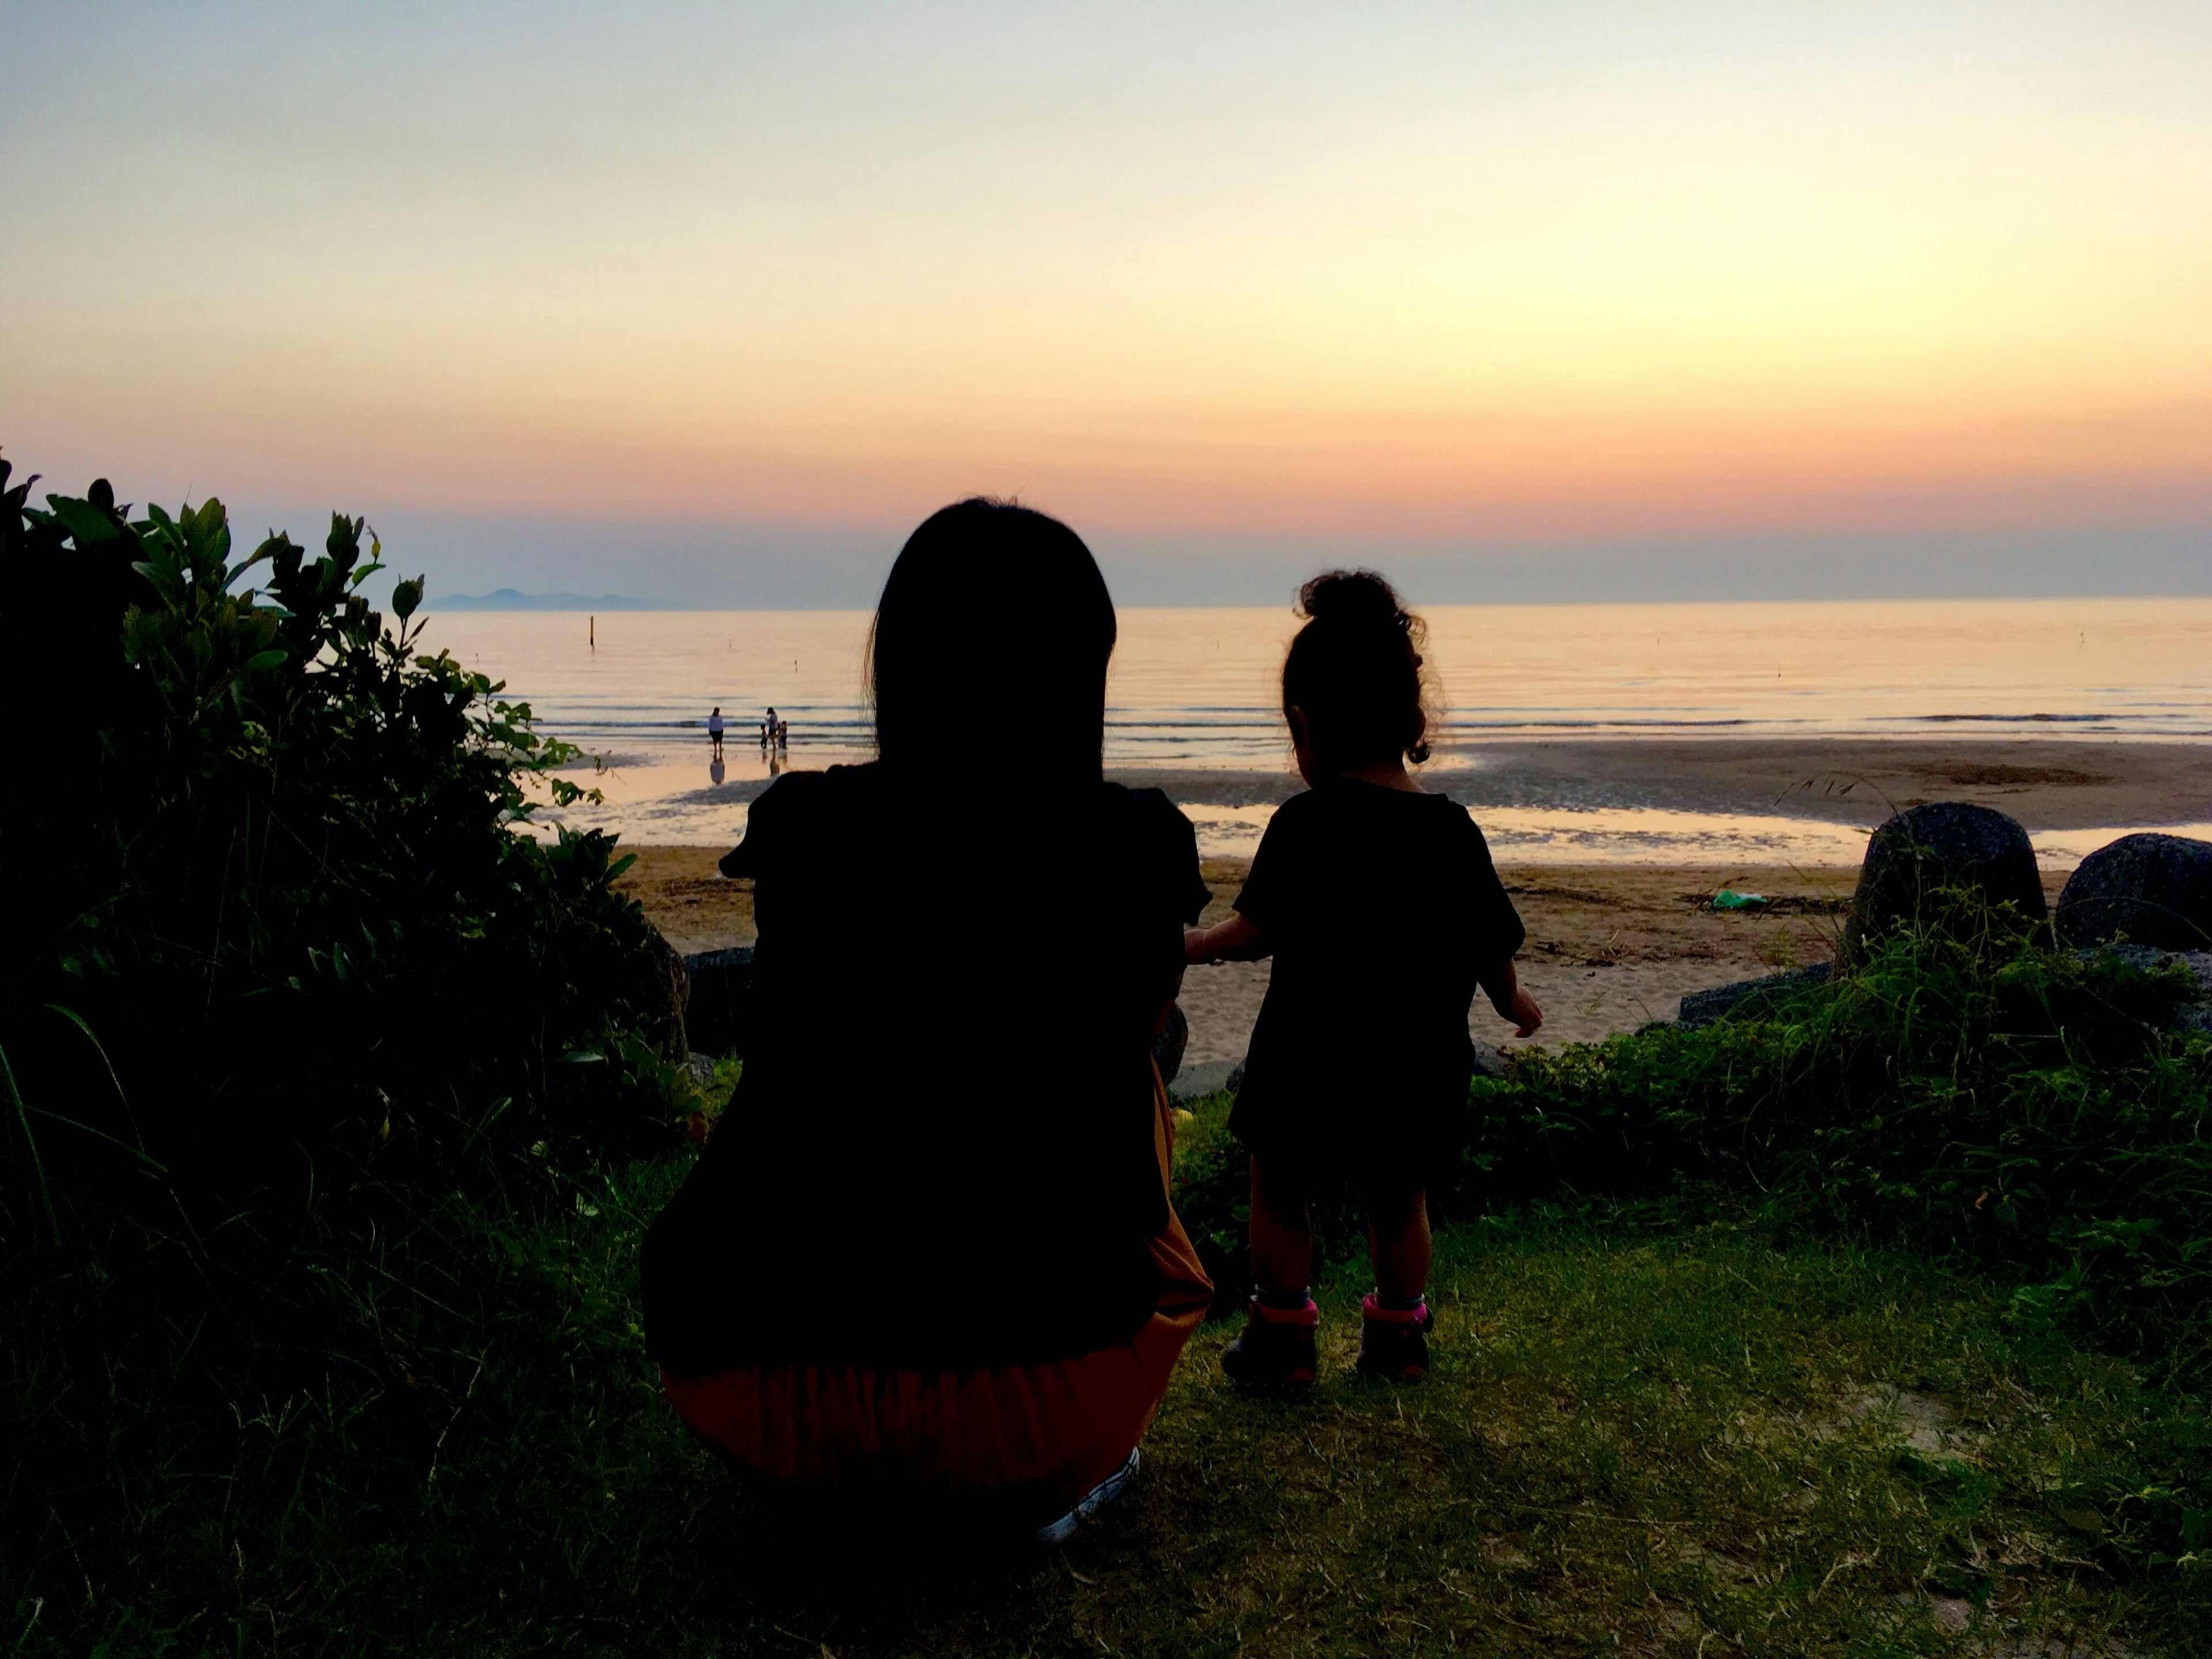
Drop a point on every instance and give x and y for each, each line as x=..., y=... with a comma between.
x=879, y=1281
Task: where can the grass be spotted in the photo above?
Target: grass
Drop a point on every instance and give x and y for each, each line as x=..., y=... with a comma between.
x=1640, y=1436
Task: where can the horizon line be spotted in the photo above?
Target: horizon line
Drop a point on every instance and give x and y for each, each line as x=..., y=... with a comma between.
x=467, y=604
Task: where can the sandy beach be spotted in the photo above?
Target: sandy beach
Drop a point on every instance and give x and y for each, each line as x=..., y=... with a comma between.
x=1612, y=945
x=2047, y=783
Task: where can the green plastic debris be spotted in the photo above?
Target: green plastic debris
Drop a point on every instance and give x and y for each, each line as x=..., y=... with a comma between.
x=1729, y=900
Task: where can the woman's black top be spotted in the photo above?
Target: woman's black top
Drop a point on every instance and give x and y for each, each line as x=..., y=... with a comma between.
x=1384, y=910
x=940, y=1154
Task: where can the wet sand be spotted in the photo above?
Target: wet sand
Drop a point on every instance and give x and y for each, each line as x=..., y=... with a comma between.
x=2047, y=783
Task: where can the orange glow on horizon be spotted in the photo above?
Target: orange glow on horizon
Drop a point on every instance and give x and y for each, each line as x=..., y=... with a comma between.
x=1530, y=276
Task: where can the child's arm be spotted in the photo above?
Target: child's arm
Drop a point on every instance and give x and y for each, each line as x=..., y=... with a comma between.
x=1511, y=999
x=1236, y=939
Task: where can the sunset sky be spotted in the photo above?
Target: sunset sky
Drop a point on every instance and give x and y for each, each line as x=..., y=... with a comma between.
x=711, y=303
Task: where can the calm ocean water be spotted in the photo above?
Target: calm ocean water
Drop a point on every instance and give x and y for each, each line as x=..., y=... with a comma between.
x=1195, y=687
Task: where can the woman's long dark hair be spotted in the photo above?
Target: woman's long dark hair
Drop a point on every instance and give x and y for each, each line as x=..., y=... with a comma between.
x=994, y=628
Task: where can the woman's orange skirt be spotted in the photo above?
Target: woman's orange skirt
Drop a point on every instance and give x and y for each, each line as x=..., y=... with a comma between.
x=1047, y=1432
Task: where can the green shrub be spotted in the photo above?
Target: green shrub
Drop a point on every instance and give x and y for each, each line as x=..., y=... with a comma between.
x=263, y=877
x=1968, y=1089
x=297, y=1021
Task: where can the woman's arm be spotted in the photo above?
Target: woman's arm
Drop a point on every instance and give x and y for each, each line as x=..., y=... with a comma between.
x=1511, y=999
x=1236, y=939
x=1160, y=1019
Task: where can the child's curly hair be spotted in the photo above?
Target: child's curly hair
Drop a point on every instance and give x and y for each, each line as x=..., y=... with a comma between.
x=1354, y=672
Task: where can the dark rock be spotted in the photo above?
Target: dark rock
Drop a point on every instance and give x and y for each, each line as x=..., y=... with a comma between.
x=1201, y=1078
x=1167, y=1046
x=721, y=999
x=2155, y=890
x=1488, y=1062
x=1748, y=998
x=2195, y=1015
x=1944, y=844
x=672, y=995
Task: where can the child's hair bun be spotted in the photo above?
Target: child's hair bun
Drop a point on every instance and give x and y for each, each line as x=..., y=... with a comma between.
x=1354, y=671
x=1352, y=596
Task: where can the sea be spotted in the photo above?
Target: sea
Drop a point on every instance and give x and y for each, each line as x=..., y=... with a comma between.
x=1193, y=692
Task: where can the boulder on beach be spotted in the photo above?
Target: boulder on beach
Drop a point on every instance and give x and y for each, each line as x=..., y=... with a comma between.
x=1749, y=998
x=721, y=999
x=2194, y=1014
x=2152, y=889
x=1944, y=844
x=672, y=999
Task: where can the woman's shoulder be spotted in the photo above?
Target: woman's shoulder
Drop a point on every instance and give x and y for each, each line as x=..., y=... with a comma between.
x=797, y=795
x=1170, y=841
x=797, y=804
x=829, y=787
x=1150, y=806
x=1149, y=817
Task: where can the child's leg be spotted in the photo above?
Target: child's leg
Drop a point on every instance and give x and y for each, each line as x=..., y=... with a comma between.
x=1282, y=1234
x=1397, y=1238
x=1394, y=1323
x=1277, y=1347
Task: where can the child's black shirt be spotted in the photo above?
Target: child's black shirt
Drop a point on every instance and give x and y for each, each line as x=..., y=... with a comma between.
x=1384, y=910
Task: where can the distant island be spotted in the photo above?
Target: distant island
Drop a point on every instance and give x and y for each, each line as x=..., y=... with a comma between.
x=508, y=598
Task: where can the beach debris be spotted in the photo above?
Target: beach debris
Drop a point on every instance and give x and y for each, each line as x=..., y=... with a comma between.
x=1729, y=899
x=1944, y=844
x=2149, y=888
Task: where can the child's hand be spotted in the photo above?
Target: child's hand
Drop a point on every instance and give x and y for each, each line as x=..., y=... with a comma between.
x=1233, y=940
x=1524, y=1012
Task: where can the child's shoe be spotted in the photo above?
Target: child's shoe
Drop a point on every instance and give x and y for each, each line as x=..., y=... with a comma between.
x=1276, y=1347
x=1394, y=1342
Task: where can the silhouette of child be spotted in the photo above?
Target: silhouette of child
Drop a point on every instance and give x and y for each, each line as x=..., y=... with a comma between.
x=1383, y=914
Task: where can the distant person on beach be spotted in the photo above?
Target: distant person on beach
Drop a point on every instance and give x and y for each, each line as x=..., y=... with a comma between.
x=769, y=727
x=1380, y=907
x=715, y=731
x=882, y=1280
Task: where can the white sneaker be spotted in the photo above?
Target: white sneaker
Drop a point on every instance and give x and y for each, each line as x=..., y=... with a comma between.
x=1057, y=1532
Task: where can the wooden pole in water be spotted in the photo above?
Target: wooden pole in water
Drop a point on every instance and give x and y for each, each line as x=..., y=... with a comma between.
x=592, y=623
